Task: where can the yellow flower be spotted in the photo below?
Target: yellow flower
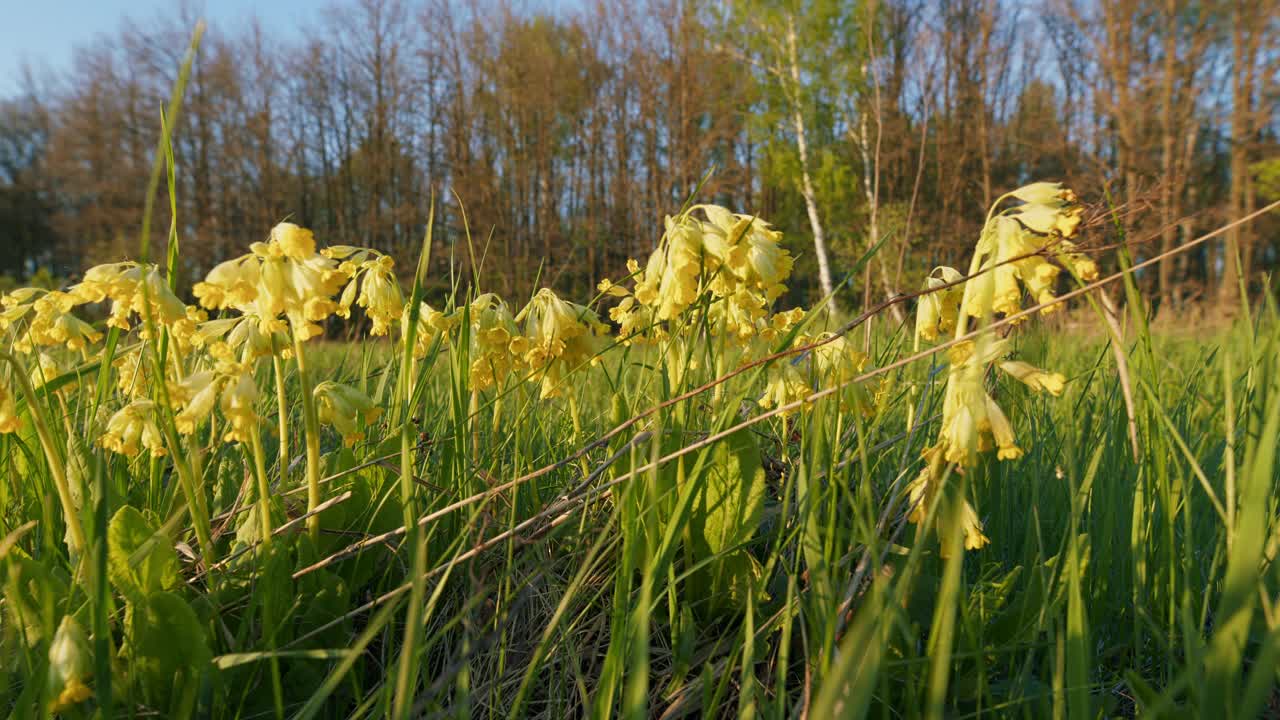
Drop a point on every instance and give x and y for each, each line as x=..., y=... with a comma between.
x=492, y=328
x=921, y=493
x=970, y=417
x=559, y=336
x=238, y=400
x=295, y=242
x=670, y=280
x=432, y=324
x=133, y=289
x=936, y=310
x=380, y=294
x=970, y=531
x=70, y=664
x=345, y=408
x=1035, y=378
x=196, y=395
x=283, y=276
x=607, y=287
x=46, y=368
x=133, y=428
x=785, y=385
x=232, y=284
x=9, y=420
x=1045, y=193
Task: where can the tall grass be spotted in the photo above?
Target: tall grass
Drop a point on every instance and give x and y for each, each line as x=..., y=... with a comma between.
x=647, y=541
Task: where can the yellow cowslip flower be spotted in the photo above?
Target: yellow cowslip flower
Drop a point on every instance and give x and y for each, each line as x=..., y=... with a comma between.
x=937, y=307
x=971, y=419
x=740, y=314
x=558, y=337
x=922, y=491
x=1014, y=248
x=380, y=294
x=345, y=408
x=1047, y=219
x=432, y=324
x=1051, y=194
x=9, y=420
x=283, y=276
x=778, y=324
x=669, y=283
x=133, y=289
x=72, y=332
x=636, y=324
x=1035, y=378
x=607, y=287
x=132, y=428
x=133, y=373
x=45, y=368
x=195, y=397
x=231, y=284
x=239, y=396
x=785, y=385
x=492, y=329
x=747, y=251
x=70, y=665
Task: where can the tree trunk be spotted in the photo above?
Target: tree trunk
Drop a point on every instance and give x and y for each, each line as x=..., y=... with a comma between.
x=806, y=183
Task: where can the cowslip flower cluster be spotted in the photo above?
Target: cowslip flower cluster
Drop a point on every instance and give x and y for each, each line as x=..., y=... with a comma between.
x=1009, y=257
x=283, y=276
x=734, y=260
x=559, y=337
x=1015, y=251
x=346, y=408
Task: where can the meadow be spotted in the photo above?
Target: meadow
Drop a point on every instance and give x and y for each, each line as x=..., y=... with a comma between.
x=673, y=499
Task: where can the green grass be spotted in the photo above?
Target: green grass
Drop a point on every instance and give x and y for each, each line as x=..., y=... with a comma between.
x=650, y=544
x=1111, y=586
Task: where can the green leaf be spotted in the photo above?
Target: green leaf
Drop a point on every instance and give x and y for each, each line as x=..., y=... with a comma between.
x=169, y=652
x=733, y=505
x=141, y=560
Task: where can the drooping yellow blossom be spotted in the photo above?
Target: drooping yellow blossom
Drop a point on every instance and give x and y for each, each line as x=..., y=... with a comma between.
x=669, y=283
x=196, y=396
x=45, y=368
x=432, y=324
x=970, y=417
x=558, y=337
x=132, y=428
x=239, y=397
x=492, y=329
x=749, y=249
x=9, y=420
x=70, y=665
x=936, y=310
x=134, y=289
x=736, y=261
x=283, y=276
x=1015, y=250
x=345, y=408
x=380, y=294
x=921, y=494
x=785, y=385
x=379, y=291
x=1035, y=378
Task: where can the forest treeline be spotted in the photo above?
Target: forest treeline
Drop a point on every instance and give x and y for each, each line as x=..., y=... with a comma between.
x=559, y=139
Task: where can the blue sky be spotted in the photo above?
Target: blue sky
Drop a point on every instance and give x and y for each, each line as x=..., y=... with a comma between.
x=45, y=33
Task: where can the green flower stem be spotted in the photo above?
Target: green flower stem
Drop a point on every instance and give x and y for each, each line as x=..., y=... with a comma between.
x=282, y=408
x=264, y=497
x=311, y=428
